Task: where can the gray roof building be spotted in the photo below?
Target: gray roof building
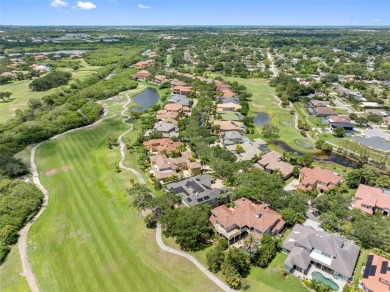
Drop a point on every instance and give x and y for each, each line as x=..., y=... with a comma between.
x=306, y=245
x=180, y=99
x=228, y=100
x=374, y=142
x=196, y=190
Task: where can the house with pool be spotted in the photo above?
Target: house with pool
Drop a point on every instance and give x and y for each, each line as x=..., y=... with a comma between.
x=320, y=255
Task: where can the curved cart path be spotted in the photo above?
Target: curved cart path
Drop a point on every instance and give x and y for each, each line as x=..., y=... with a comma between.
x=160, y=243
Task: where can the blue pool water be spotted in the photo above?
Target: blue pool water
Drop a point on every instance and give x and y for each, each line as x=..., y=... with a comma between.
x=318, y=276
x=246, y=140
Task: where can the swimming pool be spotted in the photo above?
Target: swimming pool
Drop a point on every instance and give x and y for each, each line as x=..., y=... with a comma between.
x=318, y=276
x=246, y=140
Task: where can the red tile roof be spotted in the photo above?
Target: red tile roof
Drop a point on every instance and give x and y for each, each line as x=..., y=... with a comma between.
x=311, y=176
x=325, y=111
x=166, y=145
x=246, y=213
x=376, y=280
x=372, y=197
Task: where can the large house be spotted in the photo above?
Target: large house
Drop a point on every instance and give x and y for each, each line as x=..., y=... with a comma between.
x=376, y=276
x=228, y=107
x=141, y=75
x=180, y=99
x=183, y=90
x=226, y=126
x=143, y=64
x=196, y=190
x=273, y=161
x=324, y=111
x=309, y=248
x=371, y=200
x=318, y=178
x=341, y=122
x=165, y=168
x=246, y=217
x=164, y=145
x=166, y=129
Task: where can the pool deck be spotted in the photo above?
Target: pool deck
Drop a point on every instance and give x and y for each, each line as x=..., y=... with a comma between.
x=341, y=284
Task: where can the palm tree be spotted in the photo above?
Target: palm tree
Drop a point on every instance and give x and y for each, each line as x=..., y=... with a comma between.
x=203, y=161
x=239, y=149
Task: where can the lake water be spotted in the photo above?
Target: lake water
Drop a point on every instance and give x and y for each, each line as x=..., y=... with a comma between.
x=261, y=119
x=146, y=99
x=322, y=157
x=52, y=52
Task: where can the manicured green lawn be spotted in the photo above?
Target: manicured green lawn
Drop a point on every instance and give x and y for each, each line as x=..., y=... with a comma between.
x=89, y=239
x=269, y=279
x=263, y=100
x=10, y=278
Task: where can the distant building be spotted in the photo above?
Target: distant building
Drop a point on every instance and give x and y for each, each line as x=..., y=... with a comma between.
x=141, y=75
x=375, y=142
x=324, y=111
x=164, y=145
x=183, y=90
x=273, y=161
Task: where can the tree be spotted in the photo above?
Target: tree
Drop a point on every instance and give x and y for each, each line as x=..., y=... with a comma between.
x=239, y=260
x=291, y=217
x=361, y=121
x=339, y=132
x=215, y=258
x=366, y=175
x=189, y=225
x=305, y=160
x=150, y=221
x=9, y=235
x=251, y=244
x=270, y=131
x=232, y=277
x=140, y=196
x=268, y=250
x=5, y=95
x=239, y=149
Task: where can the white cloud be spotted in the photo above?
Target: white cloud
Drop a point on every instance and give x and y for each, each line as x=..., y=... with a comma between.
x=59, y=3
x=144, y=6
x=377, y=20
x=85, y=5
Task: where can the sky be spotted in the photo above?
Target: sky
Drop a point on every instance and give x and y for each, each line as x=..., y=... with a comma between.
x=196, y=12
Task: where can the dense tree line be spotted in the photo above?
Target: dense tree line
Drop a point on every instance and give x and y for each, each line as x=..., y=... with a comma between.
x=51, y=80
x=19, y=202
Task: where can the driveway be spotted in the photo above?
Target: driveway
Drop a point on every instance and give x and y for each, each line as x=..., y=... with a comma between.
x=292, y=186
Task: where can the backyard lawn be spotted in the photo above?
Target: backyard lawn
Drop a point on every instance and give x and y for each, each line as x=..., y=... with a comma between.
x=10, y=278
x=263, y=101
x=89, y=239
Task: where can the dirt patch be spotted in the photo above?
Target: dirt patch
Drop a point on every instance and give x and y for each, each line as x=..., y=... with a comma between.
x=67, y=167
x=50, y=172
x=257, y=106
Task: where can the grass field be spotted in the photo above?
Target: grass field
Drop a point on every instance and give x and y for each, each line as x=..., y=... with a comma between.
x=21, y=93
x=263, y=100
x=89, y=239
x=10, y=278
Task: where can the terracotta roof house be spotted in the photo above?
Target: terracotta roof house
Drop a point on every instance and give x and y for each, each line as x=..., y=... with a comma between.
x=184, y=90
x=324, y=111
x=228, y=107
x=8, y=74
x=196, y=190
x=163, y=115
x=225, y=126
x=164, y=168
x=227, y=93
x=143, y=64
x=160, y=79
x=376, y=276
x=318, y=178
x=307, y=247
x=339, y=119
x=40, y=57
x=176, y=82
x=176, y=108
x=164, y=145
x=141, y=75
x=371, y=200
x=273, y=161
x=246, y=218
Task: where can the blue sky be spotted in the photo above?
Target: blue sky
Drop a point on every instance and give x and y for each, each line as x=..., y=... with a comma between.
x=195, y=12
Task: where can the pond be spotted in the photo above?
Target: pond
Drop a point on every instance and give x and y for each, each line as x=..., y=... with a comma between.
x=146, y=99
x=261, y=119
x=322, y=157
x=51, y=52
